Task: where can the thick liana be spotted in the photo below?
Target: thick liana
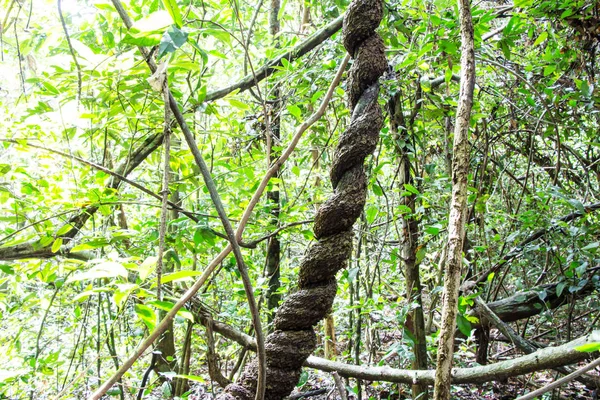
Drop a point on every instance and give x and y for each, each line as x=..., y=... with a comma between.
x=294, y=339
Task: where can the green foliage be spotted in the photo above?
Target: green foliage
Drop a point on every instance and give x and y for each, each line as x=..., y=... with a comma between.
x=533, y=161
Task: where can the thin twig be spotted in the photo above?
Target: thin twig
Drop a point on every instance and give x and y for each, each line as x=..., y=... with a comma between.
x=71, y=50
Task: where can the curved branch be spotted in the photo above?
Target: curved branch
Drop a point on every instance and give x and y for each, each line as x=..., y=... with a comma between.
x=298, y=51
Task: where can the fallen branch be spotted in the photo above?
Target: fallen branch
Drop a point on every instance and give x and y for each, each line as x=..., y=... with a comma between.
x=529, y=303
x=547, y=358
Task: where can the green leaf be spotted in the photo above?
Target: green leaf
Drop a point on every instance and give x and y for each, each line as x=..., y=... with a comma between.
x=50, y=88
x=168, y=306
x=148, y=31
x=543, y=36
x=588, y=347
x=107, y=269
x=238, y=104
x=433, y=229
x=179, y=275
x=146, y=314
x=91, y=244
x=303, y=378
x=56, y=245
x=377, y=191
x=548, y=69
x=194, y=378
x=173, y=9
x=463, y=325
x=523, y=3
x=7, y=269
x=171, y=40
x=65, y=228
x=295, y=111
x=593, y=245
x=411, y=189
x=371, y=213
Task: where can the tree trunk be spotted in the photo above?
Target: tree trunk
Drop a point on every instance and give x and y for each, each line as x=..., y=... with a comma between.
x=167, y=361
x=415, y=322
x=273, y=136
x=458, y=206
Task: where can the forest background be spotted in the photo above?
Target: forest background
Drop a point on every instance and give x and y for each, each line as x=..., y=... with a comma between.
x=87, y=273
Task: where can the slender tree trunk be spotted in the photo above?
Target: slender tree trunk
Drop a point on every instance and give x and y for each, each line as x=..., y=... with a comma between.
x=273, y=131
x=458, y=206
x=415, y=322
x=167, y=361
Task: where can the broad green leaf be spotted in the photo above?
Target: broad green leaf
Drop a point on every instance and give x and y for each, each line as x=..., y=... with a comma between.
x=593, y=245
x=108, y=269
x=179, y=275
x=50, y=88
x=523, y=3
x=7, y=269
x=122, y=292
x=149, y=30
x=463, y=325
x=588, y=347
x=433, y=229
x=168, y=306
x=64, y=229
x=238, y=104
x=173, y=9
x=295, y=111
x=541, y=38
x=548, y=69
x=147, y=267
x=194, y=378
x=84, y=295
x=171, y=40
x=146, y=314
x=371, y=213
x=57, y=244
x=410, y=188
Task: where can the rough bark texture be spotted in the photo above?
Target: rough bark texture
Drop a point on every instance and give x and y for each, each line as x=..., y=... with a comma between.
x=458, y=206
x=294, y=339
x=528, y=303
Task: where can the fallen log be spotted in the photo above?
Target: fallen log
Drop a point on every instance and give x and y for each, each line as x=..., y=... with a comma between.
x=542, y=359
x=528, y=303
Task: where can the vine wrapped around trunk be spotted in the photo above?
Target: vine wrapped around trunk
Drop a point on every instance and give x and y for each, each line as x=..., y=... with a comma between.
x=294, y=339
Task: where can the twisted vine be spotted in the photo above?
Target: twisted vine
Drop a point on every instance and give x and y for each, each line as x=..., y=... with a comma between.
x=294, y=339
